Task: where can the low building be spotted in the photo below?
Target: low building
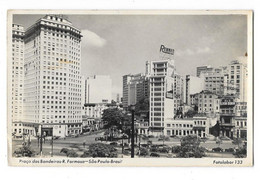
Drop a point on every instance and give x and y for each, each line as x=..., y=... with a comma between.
x=187, y=126
x=91, y=116
x=208, y=102
x=240, y=129
x=227, y=115
x=142, y=127
x=91, y=124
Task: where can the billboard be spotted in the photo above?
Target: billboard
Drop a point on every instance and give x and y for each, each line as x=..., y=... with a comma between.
x=166, y=50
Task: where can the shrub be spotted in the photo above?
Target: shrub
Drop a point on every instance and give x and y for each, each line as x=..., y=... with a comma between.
x=176, y=149
x=240, y=153
x=85, y=154
x=102, y=150
x=24, y=151
x=72, y=153
x=190, y=148
x=229, y=150
x=69, y=152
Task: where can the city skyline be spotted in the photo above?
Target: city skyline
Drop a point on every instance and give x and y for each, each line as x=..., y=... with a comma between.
x=197, y=40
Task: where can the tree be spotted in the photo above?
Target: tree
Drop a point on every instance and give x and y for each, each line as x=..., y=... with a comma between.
x=190, y=113
x=190, y=147
x=215, y=129
x=142, y=105
x=114, y=117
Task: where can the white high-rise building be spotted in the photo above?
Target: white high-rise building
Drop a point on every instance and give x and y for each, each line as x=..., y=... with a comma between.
x=17, y=78
x=52, y=82
x=98, y=89
x=193, y=85
x=237, y=76
x=161, y=94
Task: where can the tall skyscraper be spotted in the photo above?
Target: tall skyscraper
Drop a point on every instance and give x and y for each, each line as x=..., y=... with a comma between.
x=237, y=76
x=214, y=81
x=138, y=88
x=17, y=76
x=52, y=82
x=193, y=85
x=98, y=89
x=161, y=94
x=126, y=80
x=205, y=68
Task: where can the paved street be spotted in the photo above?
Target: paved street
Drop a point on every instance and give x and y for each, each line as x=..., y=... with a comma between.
x=76, y=143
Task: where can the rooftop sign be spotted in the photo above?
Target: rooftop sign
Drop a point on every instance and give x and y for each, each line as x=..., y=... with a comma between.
x=166, y=50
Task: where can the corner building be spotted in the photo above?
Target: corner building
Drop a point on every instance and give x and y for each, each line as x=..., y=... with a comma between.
x=52, y=82
x=161, y=94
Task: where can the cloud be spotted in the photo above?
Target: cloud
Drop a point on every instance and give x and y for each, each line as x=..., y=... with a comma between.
x=198, y=50
x=203, y=50
x=92, y=39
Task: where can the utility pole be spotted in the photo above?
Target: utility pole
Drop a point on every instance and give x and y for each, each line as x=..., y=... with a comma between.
x=132, y=133
x=41, y=140
x=52, y=144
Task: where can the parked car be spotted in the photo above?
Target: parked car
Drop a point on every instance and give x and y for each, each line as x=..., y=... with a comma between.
x=217, y=149
x=56, y=137
x=113, y=143
x=154, y=155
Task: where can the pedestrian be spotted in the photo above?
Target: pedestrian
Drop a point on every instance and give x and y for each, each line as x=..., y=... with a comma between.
x=84, y=144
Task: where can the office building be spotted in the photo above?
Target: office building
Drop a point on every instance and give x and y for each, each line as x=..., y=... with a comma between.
x=237, y=76
x=98, y=89
x=193, y=85
x=161, y=94
x=126, y=80
x=208, y=102
x=52, y=82
x=138, y=88
x=17, y=79
x=198, y=126
x=227, y=115
x=205, y=68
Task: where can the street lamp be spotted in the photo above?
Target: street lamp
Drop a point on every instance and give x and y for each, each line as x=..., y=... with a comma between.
x=132, y=108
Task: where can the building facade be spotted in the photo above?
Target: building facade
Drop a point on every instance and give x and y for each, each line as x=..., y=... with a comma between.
x=227, y=115
x=203, y=69
x=52, y=82
x=126, y=80
x=193, y=85
x=17, y=79
x=237, y=77
x=161, y=94
x=198, y=126
x=98, y=89
x=208, y=102
x=138, y=88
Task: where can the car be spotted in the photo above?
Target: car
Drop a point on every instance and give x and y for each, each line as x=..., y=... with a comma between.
x=56, y=137
x=113, y=143
x=18, y=136
x=154, y=155
x=217, y=149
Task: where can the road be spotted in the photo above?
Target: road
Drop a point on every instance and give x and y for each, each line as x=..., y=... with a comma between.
x=77, y=145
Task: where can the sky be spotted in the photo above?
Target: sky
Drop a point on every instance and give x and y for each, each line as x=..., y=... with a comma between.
x=116, y=45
